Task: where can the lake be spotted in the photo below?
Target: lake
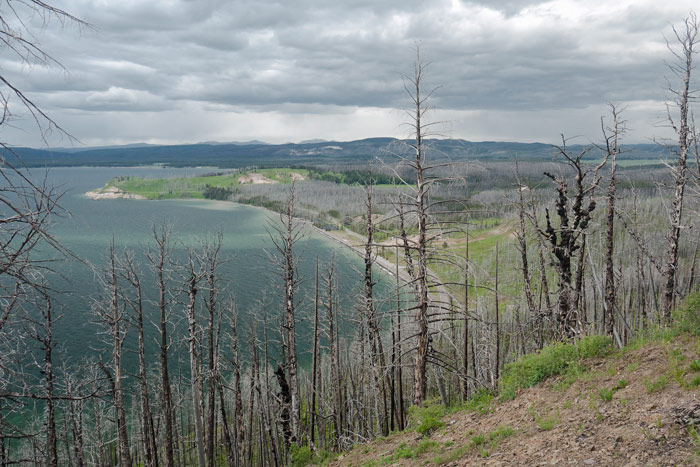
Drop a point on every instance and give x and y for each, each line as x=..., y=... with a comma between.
x=90, y=225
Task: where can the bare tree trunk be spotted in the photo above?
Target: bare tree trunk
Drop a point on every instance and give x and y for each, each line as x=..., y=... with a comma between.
x=378, y=362
x=687, y=39
x=498, y=323
x=611, y=143
x=149, y=437
x=211, y=256
x=158, y=261
x=111, y=313
x=286, y=237
x=240, y=431
x=522, y=246
x=314, y=361
x=419, y=203
x=465, y=336
x=195, y=370
x=333, y=351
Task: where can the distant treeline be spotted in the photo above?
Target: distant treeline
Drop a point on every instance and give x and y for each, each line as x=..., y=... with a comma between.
x=354, y=177
x=345, y=153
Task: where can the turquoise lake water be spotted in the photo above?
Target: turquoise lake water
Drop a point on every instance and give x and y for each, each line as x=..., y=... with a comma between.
x=90, y=225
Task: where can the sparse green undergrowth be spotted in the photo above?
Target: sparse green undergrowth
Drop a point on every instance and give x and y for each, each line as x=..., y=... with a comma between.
x=478, y=441
x=426, y=420
x=555, y=359
x=656, y=385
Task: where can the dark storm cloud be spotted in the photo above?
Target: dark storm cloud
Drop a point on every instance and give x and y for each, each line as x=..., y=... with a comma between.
x=318, y=57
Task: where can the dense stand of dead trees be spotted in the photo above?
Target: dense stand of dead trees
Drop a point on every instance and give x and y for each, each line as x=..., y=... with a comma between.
x=453, y=320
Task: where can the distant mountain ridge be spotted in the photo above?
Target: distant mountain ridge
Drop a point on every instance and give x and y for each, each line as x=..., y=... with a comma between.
x=320, y=152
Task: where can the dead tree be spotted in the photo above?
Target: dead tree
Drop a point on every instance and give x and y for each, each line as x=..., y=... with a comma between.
x=111, y=314
x=335, y=383
x=196, y=272
x=521, y=236
x=566, y=239
x=284, y=237
x=41, y=330
x=314, y=360
x=378, y=361
x=612, y=148
x=134, y=300
x=414, y=86
x=682, y=68
x=158, y=259
x=212, y=262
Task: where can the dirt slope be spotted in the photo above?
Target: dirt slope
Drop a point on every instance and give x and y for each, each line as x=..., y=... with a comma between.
x=615, y=411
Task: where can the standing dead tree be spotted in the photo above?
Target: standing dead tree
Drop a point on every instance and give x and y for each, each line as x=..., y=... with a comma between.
x=568, y=237
x=285, y=236
x=159, y=258
x=612, y=148
x=682, y=68
x=131, y=276
x=111, y=315
x=417, y=203
x=378, y=361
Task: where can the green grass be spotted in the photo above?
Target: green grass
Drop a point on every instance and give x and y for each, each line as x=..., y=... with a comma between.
x=606, y=395
x=656, y=385
x=192, y=187
x=478, y=441
x=530, y=369
x=499, y=434
x=426, y=419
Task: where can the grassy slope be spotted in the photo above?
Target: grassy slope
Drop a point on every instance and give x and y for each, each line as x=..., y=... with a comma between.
x=587, y=404
x=191, y=187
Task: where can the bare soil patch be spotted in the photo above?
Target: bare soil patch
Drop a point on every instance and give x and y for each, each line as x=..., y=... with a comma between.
x=255, y=179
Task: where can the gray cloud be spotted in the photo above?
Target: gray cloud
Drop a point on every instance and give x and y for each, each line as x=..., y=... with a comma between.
x=494, y=59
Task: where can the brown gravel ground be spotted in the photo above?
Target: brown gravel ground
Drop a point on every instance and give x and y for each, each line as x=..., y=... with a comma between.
x=567, y=421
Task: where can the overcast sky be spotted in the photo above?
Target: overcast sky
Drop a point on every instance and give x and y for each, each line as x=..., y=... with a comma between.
x=185, y=71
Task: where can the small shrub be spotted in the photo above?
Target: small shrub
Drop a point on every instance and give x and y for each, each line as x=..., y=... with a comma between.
x=426, y=420
x=301, y=455
x=546, y=423
x=404, y=451
x=687, y=317
x=429, y=426
x=656, y=385
x=695, y=382
x=620, y=385
x=425, y=446
x=499, y=434
x=606, y=394
x=479, y=403
x=694, y=365
x=478, y=440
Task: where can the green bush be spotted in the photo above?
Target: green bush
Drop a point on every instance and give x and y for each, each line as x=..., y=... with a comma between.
x=404, y=451
x=429, y=426
x=480, y=402
x=687, y=317
x=656, y=385
x=301, y=455
x=426, y=419
x=606, y=394
x=530, y=369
